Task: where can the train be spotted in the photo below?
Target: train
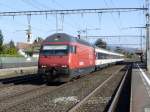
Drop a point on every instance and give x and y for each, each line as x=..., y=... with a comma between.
x=64, y=57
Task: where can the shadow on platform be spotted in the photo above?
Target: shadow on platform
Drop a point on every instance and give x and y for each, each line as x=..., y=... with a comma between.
x=28, y=80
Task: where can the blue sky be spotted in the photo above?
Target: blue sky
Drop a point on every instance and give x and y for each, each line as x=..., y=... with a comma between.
x=110, y=24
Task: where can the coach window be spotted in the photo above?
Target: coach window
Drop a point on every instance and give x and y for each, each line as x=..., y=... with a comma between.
x=73, y=49
x=102, y=55
x=99, y=55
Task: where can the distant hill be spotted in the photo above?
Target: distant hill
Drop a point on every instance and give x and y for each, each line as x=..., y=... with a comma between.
x=126, y=49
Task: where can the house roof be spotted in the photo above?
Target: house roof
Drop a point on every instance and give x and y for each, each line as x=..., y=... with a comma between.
x=24, y=46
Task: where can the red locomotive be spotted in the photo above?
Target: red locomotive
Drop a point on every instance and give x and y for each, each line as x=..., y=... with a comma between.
x=63, y=56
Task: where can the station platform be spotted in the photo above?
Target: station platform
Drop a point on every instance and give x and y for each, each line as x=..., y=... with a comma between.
x=10, y=72
x=140, y=89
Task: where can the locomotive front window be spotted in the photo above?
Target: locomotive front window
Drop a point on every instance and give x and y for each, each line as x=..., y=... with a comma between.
x=55, y=47
x=54, y=50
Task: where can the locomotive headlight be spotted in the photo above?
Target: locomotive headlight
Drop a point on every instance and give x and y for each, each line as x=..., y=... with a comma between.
x=64, y=66
x=43, y=66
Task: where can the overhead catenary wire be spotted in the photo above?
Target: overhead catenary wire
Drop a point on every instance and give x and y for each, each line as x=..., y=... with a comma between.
x=72, y=18
x=68, y=14
x=28, y=2
x=122, y=44
x=71, y=11
x=62, y=21
x=44, y=6
x=109, y=36
x=114, y=5
x=100, y=19
x=29, y=28
x=118, y=26
x=140, y=28
x=6, y=6
x=57, y=3
x=56, y=23
x=62, y=15
x=112, y=2
x=74, y=11
x=40, y=6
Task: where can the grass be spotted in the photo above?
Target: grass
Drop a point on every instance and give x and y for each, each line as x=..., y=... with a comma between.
x=9, y=55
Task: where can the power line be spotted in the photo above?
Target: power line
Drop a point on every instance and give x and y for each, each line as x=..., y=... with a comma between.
x=54, y=1
x=31, y=4
x=35, y=6
x=110, y=36
x=118, y=13
x=7, y=6
x=72, y=19
x=73, y=11
x=62, y=15
x=42, y=5
x=122, y=44
x=117, y=45
x=137, y=27
x=62, y=21
x=113, y=18
x=113, y=3
x=100, y=19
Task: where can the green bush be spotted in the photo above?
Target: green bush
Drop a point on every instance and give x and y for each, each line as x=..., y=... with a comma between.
x=9, y=52
x=8, y=55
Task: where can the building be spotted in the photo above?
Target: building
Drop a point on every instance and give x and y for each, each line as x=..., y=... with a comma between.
x=27, y=49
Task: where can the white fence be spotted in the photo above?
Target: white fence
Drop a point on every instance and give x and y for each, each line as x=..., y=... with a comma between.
x=12, y=62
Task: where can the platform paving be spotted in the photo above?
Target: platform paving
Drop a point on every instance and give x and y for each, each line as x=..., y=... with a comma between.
x=9, y=72
x=140, y=89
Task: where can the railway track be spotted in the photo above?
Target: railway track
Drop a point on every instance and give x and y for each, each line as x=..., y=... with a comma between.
x=64, y=97
x=13, y=94
x=17, y=79
x=97, y=102
x=115, y=100
x=78, y=107
x=8, y=82
x=15, y=91
x=13, y=87
x=20, y=97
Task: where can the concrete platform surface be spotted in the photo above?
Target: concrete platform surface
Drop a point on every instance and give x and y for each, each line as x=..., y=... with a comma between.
x=140, y=89
x=9, y=72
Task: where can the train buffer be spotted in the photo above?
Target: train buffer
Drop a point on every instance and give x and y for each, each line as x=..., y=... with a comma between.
x=140, y=89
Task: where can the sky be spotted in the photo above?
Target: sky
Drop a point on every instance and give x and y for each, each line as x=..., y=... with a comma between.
x=13, y=28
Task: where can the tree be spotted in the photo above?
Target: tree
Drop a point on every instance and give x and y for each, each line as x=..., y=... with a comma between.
x=37, y=43
x=12, y=44
x=100, y=43
x=1, y=41
x=38, y=40
x=119, y=50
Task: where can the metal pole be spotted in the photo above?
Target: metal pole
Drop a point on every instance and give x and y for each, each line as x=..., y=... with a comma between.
x=86, y=32
x=141, y=41
x=1, y=63
x=29, y=28
x=56, y=24
x=147, y=34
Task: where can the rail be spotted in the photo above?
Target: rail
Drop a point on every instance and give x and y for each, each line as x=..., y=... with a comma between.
x=117, y=95
x=73, y=109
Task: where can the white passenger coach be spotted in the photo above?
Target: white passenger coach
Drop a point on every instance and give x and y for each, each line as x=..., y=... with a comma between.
x=105, y=57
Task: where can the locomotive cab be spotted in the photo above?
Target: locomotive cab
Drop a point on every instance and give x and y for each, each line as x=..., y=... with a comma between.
x=54, y=59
